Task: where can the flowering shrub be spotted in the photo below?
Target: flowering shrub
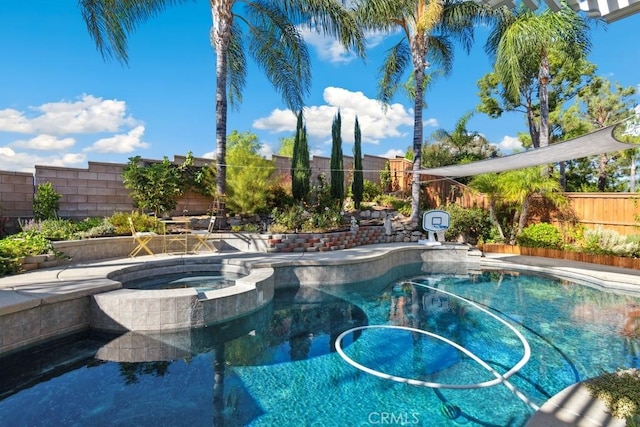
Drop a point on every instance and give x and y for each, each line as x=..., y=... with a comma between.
x=608, y=242
x=297, y=218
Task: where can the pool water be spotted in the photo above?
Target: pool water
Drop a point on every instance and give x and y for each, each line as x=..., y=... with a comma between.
x=201, y=281
x=279, y=367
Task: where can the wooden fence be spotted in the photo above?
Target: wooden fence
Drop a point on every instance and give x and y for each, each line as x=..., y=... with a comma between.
x=615, y=211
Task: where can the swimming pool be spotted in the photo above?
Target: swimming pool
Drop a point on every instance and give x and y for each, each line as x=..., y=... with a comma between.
x=280, y=366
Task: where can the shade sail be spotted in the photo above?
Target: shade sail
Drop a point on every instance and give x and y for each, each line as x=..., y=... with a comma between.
x=598, y=142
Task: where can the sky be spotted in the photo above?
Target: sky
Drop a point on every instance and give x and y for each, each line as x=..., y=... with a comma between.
x=62, y=104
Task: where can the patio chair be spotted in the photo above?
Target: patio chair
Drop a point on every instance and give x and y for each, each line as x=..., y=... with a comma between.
x=140, y=238
x=202, y=236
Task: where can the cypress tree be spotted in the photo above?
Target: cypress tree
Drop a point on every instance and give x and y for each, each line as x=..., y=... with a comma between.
x=300, y=167
x=357, y=187
x=337, y=172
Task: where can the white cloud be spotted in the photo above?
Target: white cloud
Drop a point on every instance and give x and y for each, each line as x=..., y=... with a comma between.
x=509, y=144
x=392, y=154
x=25, y=162
x=123, y=143
x=278, y=121
x=375, y=123
x=88, y=115
x=266, y=151
x=14, y=121
x=327, y=48
x=44, y=143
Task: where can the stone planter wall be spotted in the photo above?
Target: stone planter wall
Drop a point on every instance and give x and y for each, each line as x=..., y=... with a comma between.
x=34, y=262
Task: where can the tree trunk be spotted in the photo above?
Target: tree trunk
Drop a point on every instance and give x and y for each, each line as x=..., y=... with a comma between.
x=632, y=173
x=543, y=96
x=221, y=36
x=524, y=213
x=418, y=53
x=602, y=171
x=534, y=132
x=494, y=219
x=563, y=176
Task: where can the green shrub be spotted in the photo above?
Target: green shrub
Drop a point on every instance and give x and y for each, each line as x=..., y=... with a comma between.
x=142, y=222
x=472, y=224
x=248, y=228
x=46, y=202
x=101, y=229
x=323, y=220
x=393, y=202
x=289, y=219
x=23, y=244
x=9, y=266
x=296, y=218
x=52, y=229
x=608, y=242
x=370, y=191
x=541, y=235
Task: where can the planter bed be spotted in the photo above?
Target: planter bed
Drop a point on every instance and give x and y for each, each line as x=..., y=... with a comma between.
x=611, y=260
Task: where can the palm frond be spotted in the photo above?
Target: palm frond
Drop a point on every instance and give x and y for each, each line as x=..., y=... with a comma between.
x=392, y=70
x=329, y=17
x=236, y=67
x=110, y=22
x=279, y=49
x=441, y=53
x=429, y=16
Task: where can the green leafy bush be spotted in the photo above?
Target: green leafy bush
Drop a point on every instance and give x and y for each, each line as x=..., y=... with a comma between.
x=370, y=191
x=393, y=202
x=541, y=235
x=46, y=202
x=9, y=266
x=52, y=229
x=608, y=242
x=296, y=218
x=101, y=229
x=142, y=222
x=288, y=219
x=23, y=244
x=472, y=224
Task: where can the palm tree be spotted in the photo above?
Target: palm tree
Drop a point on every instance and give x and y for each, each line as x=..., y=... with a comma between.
x=428, y=28
x=274, y=40
x=465, y=145
x=521, y=42
x=489, y=185
x=520, y=186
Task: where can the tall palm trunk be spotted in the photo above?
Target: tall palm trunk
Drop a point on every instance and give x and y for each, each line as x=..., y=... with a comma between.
x=563, y=175
x=602, y=171
x=543, y=95
x=632, y=173
x=534, y=129
x=419, y=67
x=524, y=213
x=221, y=35
x=494, y=218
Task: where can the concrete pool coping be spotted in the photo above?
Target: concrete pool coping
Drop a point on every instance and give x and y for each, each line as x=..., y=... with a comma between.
x=573, y=406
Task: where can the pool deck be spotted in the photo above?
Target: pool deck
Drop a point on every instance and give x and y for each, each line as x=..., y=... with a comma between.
x=572, y=407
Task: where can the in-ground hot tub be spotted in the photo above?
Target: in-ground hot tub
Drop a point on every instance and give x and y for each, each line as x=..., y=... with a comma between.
x=180, y=294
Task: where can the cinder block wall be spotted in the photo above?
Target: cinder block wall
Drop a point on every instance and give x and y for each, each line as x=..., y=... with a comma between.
x=16, y=198
x=98, y=191
x=92, y=192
